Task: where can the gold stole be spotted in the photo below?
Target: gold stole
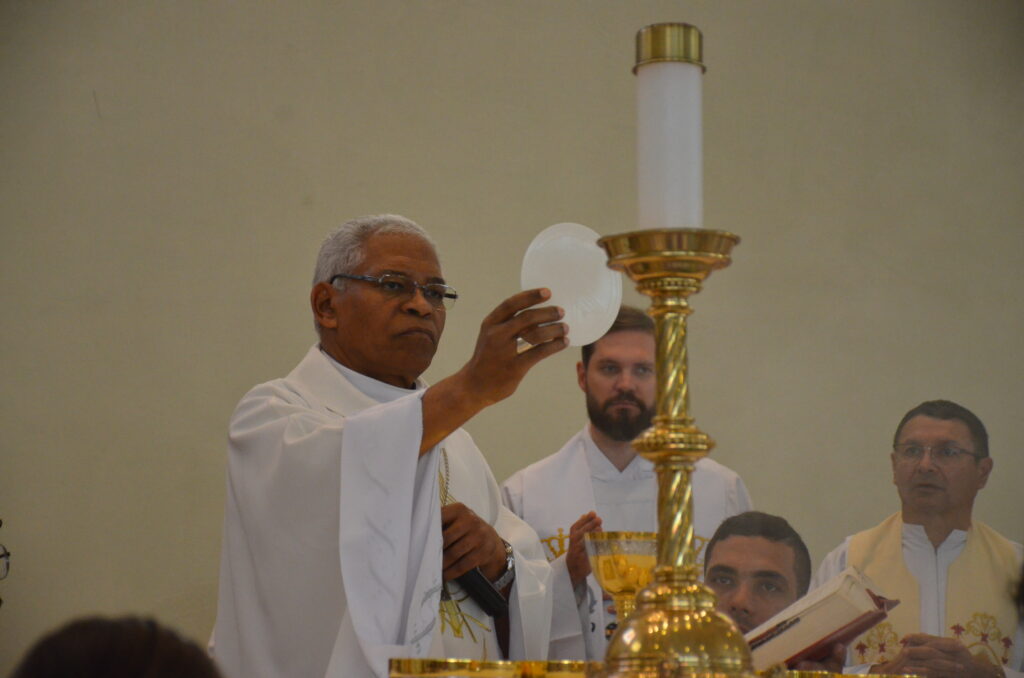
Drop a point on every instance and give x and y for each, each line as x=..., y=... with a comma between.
x=978, y=592
x=453, y=619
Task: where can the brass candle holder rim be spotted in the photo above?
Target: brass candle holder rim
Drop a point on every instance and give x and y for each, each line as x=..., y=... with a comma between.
x=662, y=232
x=421, y=665
x=570, y=664
x=682, y=256
x=621, y=535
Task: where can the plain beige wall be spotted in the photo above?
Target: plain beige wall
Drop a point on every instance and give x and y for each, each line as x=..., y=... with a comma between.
x=168, y=169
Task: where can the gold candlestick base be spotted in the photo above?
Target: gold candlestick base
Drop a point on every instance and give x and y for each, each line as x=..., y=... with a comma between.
x=675, y=630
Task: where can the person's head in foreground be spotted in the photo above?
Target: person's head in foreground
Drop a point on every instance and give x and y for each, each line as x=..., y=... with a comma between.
x=939, y=463
x=617, y=375
x=379, y=299
x=757, y=565
x=127, y=647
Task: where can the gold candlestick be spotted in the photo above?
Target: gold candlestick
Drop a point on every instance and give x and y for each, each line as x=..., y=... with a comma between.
x=675, y=630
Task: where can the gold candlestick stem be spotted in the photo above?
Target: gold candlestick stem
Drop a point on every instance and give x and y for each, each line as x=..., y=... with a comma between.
x=675, y=630
x=673, y=428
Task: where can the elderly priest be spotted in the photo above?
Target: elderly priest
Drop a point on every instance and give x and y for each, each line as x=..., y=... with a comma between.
x=953, y=574
x=361, y=522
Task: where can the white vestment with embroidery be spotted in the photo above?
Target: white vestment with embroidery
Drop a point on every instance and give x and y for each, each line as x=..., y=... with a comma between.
x=331, y=559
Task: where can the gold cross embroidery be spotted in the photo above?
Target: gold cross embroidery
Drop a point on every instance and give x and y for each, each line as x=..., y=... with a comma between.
x=556, y=544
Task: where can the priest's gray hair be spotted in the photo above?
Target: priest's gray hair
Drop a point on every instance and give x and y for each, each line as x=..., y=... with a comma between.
x=344, y=248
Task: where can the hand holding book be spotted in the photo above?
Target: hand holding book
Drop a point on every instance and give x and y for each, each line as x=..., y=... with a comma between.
x=810, y=629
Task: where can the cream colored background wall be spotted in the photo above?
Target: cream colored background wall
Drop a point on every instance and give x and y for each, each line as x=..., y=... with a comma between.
x=168, y=169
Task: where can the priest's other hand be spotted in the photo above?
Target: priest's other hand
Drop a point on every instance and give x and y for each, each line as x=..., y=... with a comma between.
x=576, y=559
x=832, y=663
x=937, y=657
x=469, y=541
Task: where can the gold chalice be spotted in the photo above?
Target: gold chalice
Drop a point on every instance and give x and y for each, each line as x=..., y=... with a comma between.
x=622, y=563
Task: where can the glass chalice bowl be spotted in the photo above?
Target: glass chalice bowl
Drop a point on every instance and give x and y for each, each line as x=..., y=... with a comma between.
x=622, y=563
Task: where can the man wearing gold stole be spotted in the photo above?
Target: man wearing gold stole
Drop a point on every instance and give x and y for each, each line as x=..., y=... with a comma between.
x=598, y=481
x=355, y=501
x=953, y=575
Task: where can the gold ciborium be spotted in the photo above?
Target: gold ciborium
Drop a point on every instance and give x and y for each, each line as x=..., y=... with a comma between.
x=622, y=563
x=675, y=630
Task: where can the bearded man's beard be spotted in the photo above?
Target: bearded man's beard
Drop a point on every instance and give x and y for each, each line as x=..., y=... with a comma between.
x=623, y=425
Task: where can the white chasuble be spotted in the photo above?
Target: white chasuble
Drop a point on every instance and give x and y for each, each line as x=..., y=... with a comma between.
x=554, y=492
x=331, y=561
x=959, y=590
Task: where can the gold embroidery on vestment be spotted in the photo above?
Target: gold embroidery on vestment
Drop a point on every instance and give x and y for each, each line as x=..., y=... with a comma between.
x=451, y=613
x=984, y=639
x=981, y=636
x=878, y=645
x=556, y=544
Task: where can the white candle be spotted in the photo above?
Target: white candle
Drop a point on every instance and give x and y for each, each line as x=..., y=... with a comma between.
x=669, y=149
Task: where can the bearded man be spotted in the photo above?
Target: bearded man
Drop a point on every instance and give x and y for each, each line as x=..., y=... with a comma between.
x=597, y=481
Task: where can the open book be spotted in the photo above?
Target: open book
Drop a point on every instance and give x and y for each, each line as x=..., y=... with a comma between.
x=836, y=612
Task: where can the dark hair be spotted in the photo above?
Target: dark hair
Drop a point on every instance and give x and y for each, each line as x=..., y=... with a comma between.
x=127, y=647
x=628, y=319
x=946, y=410
x=772, y=528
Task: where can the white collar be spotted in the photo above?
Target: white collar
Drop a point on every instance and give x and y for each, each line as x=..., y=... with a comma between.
x=914, y=535
x=603, y=469
x=370, y=387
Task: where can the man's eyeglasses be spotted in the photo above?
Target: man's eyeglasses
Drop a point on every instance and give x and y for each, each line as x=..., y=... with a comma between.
x=439, y=296
x=943, y=453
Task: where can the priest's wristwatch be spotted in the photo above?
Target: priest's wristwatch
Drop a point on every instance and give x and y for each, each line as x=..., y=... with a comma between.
x=510, y=568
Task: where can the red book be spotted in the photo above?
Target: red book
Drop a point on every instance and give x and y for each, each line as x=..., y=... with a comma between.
x=836, y=612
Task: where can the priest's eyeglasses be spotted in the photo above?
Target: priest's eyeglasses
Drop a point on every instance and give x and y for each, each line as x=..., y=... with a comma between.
x=440, y=296
x=943, y=453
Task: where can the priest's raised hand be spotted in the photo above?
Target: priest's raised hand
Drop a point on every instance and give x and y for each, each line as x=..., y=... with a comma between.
x=497, y=366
